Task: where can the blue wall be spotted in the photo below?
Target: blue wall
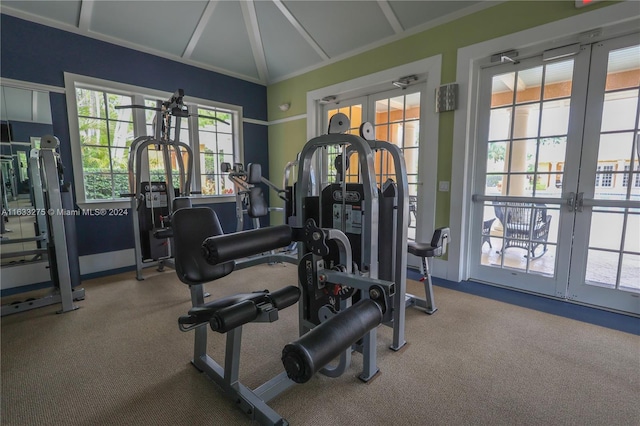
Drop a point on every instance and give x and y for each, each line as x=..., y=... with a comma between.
x=40, y=54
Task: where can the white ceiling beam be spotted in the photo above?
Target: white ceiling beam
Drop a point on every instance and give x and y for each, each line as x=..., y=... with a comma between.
x=251, y=22
x=86, y=11
x=508, y=81
x=296, y=24
x=199, y=30
x=391, y=17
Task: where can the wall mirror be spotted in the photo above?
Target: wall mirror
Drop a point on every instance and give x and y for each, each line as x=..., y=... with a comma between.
x=25, y=116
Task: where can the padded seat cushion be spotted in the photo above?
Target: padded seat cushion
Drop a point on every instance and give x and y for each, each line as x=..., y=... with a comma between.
x=422, y=249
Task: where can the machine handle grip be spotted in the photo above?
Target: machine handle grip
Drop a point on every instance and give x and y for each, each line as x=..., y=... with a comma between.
x=233, y=316
x=284, y=297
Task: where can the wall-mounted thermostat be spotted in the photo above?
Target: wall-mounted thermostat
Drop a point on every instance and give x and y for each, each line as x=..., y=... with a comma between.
x=447, y=97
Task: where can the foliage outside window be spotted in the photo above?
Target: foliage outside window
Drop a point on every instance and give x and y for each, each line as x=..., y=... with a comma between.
x=106, y=133
x=215, y=132
x=105, y=137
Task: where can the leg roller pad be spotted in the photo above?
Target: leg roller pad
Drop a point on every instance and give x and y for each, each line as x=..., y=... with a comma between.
x=304, y=357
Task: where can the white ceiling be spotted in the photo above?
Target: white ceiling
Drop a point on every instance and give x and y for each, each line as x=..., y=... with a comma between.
x=262, y=41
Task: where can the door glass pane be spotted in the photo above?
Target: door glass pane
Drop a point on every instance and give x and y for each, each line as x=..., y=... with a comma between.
x=602, y=267
x=382, y=111
x=528, y=85
x=382, y=132
x=411, y=134
x=606, y=230
x=520, y=236
x=558, y=80
x=502, y=89
x=396, y=109
x=623, y=66
x=615, y=156
x=500, y=124
x=619, y=110
x=411, y=160
x=396, y=134
x=630, y=272
x=633, y=230
x=496, y=152
x=412, y=110
x=526, y=119
x=555, y=118
x=523, y=156
x=495, y=184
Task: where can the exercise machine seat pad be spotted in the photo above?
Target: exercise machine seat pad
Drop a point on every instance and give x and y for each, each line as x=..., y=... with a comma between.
x=304, y=357
x=436, y=248
x=422, y=249
x=223, y=248
x=190, y=228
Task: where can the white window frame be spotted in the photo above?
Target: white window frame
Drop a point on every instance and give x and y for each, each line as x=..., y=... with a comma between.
x=139, y=94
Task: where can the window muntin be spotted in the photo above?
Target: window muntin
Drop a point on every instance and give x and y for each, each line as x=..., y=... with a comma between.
x=105, y=135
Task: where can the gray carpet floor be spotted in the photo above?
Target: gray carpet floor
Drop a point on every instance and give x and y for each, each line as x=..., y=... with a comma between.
x=121, y=360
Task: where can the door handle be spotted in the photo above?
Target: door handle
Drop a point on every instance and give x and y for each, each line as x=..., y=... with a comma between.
x=571, y=201
x=579, y=201
x=575, y=202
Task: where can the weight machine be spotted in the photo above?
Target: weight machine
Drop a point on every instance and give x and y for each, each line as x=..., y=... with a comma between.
x=55, y=230
x=373, y=215
x=154, y=201
x=250, y=198
x=341, y=290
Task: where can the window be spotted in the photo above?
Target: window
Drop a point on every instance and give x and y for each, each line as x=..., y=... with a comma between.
x=604, y=178
x=215, y=132
x=625, y=177
x=102, y=133
x=105, y=137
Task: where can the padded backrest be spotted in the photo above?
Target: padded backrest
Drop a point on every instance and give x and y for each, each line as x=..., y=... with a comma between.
x=181, y=203
x=440, y=240
x=190, y=228
x=254, y=173
x=257, y=204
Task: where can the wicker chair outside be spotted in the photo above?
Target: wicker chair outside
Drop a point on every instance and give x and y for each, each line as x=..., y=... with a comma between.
x=525, y=226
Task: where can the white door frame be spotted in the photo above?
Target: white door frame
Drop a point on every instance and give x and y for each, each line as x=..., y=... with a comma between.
x=470, y=58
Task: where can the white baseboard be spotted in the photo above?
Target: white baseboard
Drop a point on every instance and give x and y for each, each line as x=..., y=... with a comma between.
x=37, y=272
x=107, y=261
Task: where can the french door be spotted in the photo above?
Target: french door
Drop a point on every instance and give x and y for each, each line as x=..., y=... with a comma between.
x=557, y=183
x=396, y=117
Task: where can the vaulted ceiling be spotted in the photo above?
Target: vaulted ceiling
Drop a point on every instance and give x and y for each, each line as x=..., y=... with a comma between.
x=262, y=41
